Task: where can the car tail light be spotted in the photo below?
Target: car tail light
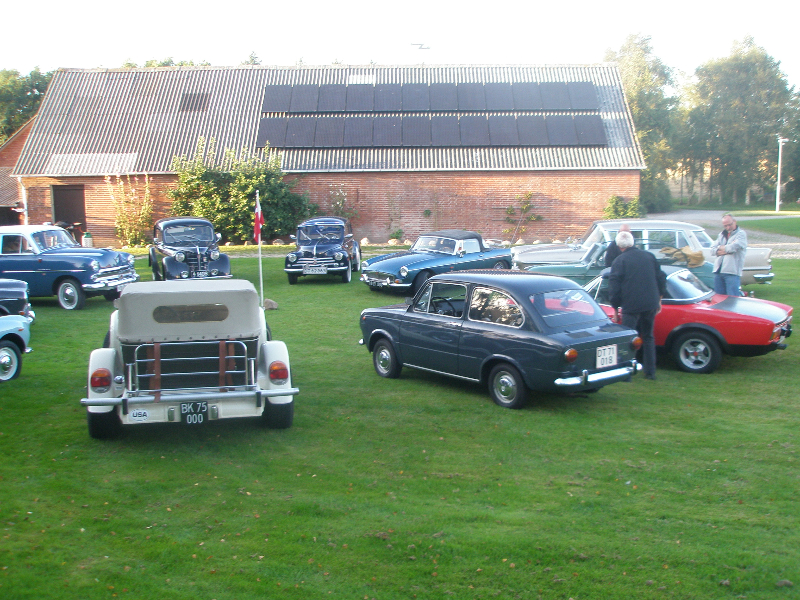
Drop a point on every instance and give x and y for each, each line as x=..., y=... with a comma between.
x=571, y=355
x=637, y=343
x=100, y=381
x=278, y=372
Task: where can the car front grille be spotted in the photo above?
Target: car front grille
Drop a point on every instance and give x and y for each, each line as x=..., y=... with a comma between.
x=316, y=261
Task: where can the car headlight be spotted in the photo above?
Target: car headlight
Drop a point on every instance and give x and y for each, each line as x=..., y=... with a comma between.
x=94, y=266
x=180, y=256
x=184, y=274
x=292, y=258
x=214, y=255
x=403, y=271
x=338, y=256
x=364, y=265
x=131, y=259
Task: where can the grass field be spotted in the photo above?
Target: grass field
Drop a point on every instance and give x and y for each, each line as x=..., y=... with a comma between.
x=420, y=487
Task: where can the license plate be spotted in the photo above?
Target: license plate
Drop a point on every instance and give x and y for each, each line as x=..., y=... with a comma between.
x=315, y=270
x=201, y=274
x=194, y=413
x=606, y=356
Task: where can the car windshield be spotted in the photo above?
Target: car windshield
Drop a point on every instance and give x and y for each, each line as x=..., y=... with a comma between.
x=54, y=238
x=565, y=308
x=188, y=234
x=704, y=239
x=313, y=233
x=684, y=285
x=432, y=243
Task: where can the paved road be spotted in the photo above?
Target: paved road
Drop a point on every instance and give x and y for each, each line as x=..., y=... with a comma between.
x=783, y=246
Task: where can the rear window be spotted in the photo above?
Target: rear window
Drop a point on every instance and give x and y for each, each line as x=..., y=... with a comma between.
x=564, y=308
x=190, y=313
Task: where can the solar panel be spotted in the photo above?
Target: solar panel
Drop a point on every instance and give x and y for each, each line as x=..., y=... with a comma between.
x=555, y=96
x=272, y=131
x=474, y=130
x=444, y=132
x=416, y=98
x=332, y=98
x=388, y=97
x=582, y=95
x=277, y=98
x=387, y=131
x=300, y=132
x=470, y=96
x=498, y=96
x=329, y=132
x=532, y=130
x=357, y=132
x=416, y=131
x=503, y=130
x=590, y=130
x=527, y=96
x=444, y=96
x=561, y=130
x=360, y=97
x=304, y=98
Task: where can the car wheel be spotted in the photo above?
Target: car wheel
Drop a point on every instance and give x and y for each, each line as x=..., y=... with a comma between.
x=420, y=280
x=292, y=278
x=697, y=352
x=385, y=360
x=155, y=265
x=507, y=387
x=278, y=416
x=10, y=361
x=357, y=259
x=103, y=426
x=347, y=275
x=70, y=295
x=500, y=264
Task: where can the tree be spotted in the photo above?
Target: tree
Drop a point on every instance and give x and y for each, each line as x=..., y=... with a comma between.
x=646, y=80
x=224, y=192
x=20, y=96
x=739, y=105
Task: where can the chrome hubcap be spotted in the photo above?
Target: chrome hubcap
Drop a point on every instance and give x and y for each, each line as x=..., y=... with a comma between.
x=506, y=386
x=384, y=360
x=7, y=364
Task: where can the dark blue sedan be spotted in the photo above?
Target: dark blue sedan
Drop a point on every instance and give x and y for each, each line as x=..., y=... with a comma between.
x=511, y=330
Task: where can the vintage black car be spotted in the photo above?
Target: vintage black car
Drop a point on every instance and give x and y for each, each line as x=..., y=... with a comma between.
x=51, y=262
x=14, y=299
x=190, y=250
x=511, y=330
x=325, y=245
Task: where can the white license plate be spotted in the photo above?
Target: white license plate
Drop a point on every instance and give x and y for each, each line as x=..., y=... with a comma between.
x=315, y=270
x=194, y=413
x=606, y=356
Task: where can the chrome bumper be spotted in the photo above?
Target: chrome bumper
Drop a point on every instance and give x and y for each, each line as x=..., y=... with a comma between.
x=111, y=283
x=381, y=283
x=586, y=378
x=253, y=395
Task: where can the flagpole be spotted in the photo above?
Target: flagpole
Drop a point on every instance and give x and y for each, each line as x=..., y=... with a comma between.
x=260, y=267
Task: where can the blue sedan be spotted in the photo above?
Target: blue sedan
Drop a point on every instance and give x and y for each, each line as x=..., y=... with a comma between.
x=433, y=253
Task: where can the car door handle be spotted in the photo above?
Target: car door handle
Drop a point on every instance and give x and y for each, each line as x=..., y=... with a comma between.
x=452, y=323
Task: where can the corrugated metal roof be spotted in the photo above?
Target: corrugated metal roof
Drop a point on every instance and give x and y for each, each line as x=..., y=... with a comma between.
x=101, y=122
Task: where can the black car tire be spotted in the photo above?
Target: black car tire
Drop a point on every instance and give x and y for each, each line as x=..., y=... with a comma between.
x=70, y=295
x=420, y=279
x=385, y=360
x=278, y=416
x=357, y=259
x=697, y=352
x=500, y=264
x=10, y=361
x=507, y=387
x=155, y=264
x=292, y=278
x=347, y=275
x=103, y=426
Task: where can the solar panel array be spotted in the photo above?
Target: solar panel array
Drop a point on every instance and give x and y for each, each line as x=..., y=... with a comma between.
x=437, y=115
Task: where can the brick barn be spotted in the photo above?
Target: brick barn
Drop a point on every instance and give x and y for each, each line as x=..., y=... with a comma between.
x=413, y=148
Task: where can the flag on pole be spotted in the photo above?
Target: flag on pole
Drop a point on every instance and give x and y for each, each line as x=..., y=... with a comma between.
x=259, y=221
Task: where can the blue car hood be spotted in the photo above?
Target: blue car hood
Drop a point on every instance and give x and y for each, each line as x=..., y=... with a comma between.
x=319, y=247
x=391, y=263
x=104, y=256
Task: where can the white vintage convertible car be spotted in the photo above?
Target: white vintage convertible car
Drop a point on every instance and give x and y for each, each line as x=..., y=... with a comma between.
x=649, y=235
x=188, y=352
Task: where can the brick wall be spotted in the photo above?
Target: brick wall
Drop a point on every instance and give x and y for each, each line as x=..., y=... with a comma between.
x=411, y=202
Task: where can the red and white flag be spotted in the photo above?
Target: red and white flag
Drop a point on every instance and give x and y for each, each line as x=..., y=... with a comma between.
x=259, y=221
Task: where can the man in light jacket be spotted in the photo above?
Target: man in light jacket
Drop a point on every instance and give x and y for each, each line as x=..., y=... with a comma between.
x=729, y=249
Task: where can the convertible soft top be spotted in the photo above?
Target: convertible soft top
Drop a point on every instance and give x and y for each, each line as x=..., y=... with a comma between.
x=188, y=310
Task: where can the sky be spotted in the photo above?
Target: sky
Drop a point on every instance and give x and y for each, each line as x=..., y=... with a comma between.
x=683, y=34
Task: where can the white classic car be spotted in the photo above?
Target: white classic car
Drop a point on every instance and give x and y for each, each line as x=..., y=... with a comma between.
x=188, y=352
x=649, y=235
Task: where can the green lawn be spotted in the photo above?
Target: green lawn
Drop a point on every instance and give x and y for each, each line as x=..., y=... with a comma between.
x=420, y=487
x=788, y=226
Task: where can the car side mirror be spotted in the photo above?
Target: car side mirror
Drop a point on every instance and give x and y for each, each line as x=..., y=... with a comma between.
x=461, y=254
x=218, y=236
x=348, y=236
x=293, y=237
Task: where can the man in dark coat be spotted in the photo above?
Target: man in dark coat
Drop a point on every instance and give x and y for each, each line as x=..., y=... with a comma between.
x=613, y=250
x=636, y=285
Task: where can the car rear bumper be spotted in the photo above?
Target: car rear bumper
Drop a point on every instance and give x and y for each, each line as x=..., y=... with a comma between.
x=588, y=379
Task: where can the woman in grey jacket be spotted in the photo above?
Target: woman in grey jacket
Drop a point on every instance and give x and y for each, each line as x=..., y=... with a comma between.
x=729, y=249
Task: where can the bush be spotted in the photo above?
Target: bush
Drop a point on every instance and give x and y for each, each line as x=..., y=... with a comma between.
x=617, y=208
x=224, y=193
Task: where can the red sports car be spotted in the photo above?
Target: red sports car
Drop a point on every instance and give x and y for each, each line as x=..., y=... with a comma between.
x=697, y=326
